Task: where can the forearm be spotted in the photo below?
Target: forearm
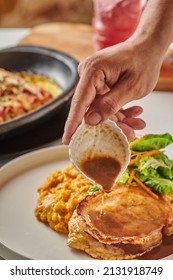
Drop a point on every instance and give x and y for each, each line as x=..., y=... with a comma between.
x=156, y=25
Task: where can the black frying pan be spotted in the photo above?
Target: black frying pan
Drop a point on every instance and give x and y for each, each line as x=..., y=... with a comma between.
x=54, y=64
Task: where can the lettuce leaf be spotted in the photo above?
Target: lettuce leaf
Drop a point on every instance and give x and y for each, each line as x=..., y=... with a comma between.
x=149, y=161
x=124, y=177
x=93, y=189
x=166, y=169
x=156, y=170
x=164, y=159
x=152, y=141
x=160, y=185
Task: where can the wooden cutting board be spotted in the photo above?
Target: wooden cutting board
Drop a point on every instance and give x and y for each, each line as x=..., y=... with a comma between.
x=77, y=41
x=71, y=38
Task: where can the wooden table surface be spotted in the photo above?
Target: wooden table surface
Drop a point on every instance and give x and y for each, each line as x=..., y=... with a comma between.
x=77, y=41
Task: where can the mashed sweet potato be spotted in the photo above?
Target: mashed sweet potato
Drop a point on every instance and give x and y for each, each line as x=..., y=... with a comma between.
x=59, y=196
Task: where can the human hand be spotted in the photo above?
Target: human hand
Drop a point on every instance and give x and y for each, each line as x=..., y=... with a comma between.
x=109, y=79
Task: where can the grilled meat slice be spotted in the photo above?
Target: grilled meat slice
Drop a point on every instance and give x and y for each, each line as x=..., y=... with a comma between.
x=123, y=224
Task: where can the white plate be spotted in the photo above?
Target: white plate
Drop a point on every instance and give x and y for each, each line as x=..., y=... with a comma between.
x=22, y=236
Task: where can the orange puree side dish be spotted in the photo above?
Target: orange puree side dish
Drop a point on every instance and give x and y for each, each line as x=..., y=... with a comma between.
x=59, y=196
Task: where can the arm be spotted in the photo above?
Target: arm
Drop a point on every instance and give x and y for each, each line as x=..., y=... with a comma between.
x=119, y=74
x=156, y=25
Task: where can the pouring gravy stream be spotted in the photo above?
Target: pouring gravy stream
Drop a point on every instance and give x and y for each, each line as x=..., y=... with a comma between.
x=102, y=169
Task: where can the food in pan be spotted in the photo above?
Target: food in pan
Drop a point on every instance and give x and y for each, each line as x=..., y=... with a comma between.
x=125, y=223
x=23, y=92
x=41, y=81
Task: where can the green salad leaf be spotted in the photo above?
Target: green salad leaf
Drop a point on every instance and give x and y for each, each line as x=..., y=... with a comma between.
x=154, y=170
x=93, y=189
x=160, y=185
x=152, y=141
x=149, y=161
x=124, y=177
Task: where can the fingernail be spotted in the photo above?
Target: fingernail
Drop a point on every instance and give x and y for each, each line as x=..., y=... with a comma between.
x=94, y=118
x=65, y=140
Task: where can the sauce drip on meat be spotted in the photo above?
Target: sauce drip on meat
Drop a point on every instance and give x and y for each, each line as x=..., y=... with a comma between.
x=102, y=169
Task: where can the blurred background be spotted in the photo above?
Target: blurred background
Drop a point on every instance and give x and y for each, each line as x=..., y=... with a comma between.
x=24, y=13
x=89, y=34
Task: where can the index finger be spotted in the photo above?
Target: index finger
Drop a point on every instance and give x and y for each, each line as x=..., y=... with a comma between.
x=83, y=97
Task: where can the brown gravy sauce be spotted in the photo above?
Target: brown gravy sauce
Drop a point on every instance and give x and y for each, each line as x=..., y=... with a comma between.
x=164, y=250
x=102, y=169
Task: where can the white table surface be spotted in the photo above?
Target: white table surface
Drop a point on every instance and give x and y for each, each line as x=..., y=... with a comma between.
x=10, y=36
